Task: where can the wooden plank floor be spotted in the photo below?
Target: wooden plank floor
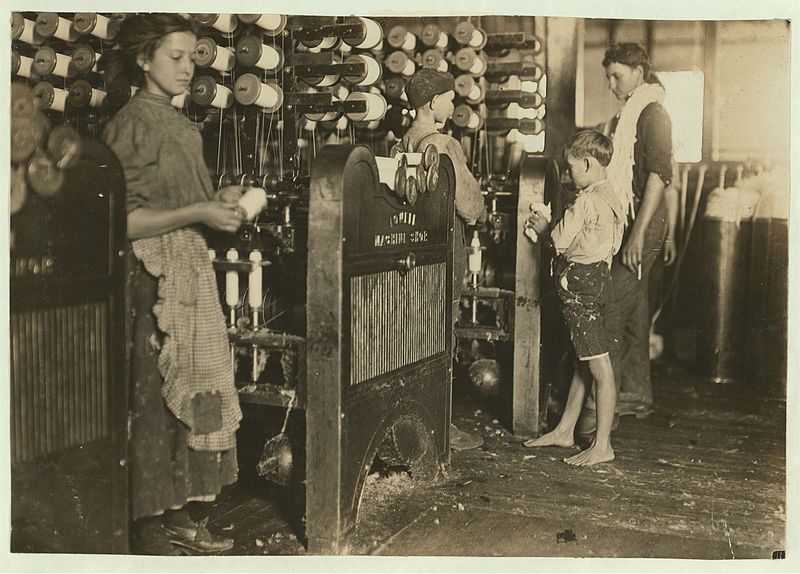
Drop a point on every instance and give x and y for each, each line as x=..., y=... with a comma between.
x=703, y=477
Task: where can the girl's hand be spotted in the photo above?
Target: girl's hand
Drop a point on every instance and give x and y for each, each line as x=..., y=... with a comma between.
x=220, y=216
x=229, y=194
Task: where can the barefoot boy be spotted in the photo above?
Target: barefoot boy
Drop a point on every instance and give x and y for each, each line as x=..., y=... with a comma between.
x=586, y=239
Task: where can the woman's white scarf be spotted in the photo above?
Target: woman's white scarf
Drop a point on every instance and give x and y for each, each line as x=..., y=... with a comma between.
x=620, y=170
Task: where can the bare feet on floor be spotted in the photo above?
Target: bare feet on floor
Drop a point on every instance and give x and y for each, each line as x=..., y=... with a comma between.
x=592, y=455
x=553, y=438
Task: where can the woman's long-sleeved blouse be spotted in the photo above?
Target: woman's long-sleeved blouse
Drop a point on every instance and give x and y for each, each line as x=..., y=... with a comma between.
x=161, y=152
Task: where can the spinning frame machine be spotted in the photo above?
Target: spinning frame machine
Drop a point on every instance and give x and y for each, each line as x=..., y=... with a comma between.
x=336, y=288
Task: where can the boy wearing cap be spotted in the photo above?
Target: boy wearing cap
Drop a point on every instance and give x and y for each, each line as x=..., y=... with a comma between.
x=431, y=94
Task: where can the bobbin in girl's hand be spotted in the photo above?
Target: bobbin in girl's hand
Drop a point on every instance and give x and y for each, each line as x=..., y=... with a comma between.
x=221, y=216
x=229, y=193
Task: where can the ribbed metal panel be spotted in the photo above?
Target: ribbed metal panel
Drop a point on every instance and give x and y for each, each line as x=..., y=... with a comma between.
x=59, y=379
x=396, y=319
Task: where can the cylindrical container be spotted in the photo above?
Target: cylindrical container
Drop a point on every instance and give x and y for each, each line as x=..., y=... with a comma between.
x=225, y=23
x=393, y=87
x=232, y=281
x=271, y=24
x=24, y=30
x=95, y=24
x=48, y=97
x=82, y=94
x=250, y=90
x=371, y=36
x=401, y=39
x=468, y=35
x=48, y=62
x=50, y=24
x=375, y=109
x=767, y=335
x=84, y=59
x=371, y=73
x=434, y=59
x=433, y=37
x=207, y=54
x=467, y=118
x=469, y=61
x=255, y=281
x=399, y=63
x=208, y=93
x=725, y=242
x=21, y=65
x=252, y=52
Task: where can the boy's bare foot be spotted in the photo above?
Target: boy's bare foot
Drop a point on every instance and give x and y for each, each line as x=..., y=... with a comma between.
x=553, y=438
x=592, y=455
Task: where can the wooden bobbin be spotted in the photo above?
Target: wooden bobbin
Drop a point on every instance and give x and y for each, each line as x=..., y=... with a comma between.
x=401, y=39
x=208, y=54
x=253, y=53
x=84, y=59
x=250, y=90
x=372, y=70
x=270, y=24
x=207, y=92
x=82, y=94
x=95, y=24
x=24, y=30
x=375, y=104
x=48, y=97
x=371, y=36
x=48, y=62
x=225, y=23
x=21, y=65
x=50, y=24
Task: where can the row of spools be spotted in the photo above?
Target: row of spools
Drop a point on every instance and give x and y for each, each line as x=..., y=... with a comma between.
x=244, y=58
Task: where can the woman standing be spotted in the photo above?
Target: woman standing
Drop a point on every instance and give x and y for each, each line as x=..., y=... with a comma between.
x=184, y=410
x=640, y=170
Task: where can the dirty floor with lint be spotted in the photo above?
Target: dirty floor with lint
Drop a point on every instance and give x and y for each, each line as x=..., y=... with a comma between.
x=703, y=477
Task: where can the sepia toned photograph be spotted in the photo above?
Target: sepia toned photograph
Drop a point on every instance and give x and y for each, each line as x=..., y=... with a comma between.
x=388, y=284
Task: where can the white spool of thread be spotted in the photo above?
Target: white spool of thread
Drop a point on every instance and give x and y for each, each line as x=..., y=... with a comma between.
x=212, y=254
x=327, y=43
x=474, y=121
x=476, y=41
x=270, y=22
x=270, y=58
x=475, y=92
x=475, y=256
x=442, y=41
x=64, y=30
x=373, y=34
x=373, y=69
x=25, y=64
x=254, y=283
x=226, y=23
x=97, y=98
x=269, y=96
x=223, y=99
x=59, y=99
x=253, y=202
x=327, y=81
x=341, y=123
x=478, y=67
x=178, y=101
x=443, y=66
x=375, y=103
x=409, y=69
x=232, y=280
x=61, y=68
x=101, y=27
x=410, y=42
x=28, y=32
x=224, y=60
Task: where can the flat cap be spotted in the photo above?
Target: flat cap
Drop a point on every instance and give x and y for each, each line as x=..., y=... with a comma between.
x=427, y=83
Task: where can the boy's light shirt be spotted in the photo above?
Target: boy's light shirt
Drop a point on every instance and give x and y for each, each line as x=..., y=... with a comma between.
x=592, y=227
